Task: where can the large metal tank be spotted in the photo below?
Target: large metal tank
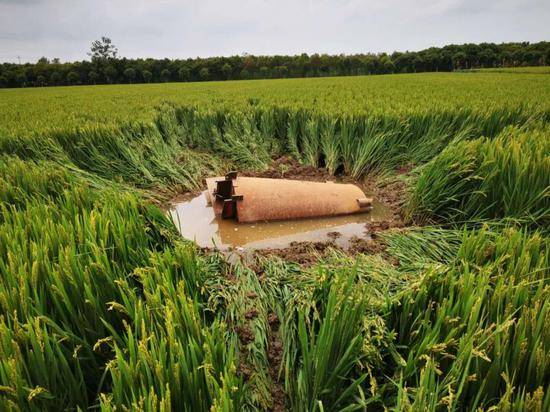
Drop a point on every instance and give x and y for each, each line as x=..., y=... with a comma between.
x=252, y=199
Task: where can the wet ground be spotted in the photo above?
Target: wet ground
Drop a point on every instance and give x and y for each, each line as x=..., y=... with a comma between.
x=196, y=221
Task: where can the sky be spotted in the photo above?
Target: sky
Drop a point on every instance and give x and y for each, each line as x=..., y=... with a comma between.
x=30, y=29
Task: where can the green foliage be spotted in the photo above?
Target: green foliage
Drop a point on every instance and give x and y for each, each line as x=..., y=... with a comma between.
x=473, y=330
x=102, y=306
x=328, y=350
x=505, y=177
x=504, y=57
x=450, y=96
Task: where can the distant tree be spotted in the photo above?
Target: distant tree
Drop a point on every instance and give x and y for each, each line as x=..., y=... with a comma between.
x=386, y=64
x=418, y=64
x=147, y=75
x=487, y=57
x=227, y=70
x=401, y=62
x=204, y=73
x=517, y=57
x=165, y=75
x=72, y=77
x=281, y=71
x=459, y=61
x=55, y=78
x=433, y=60
x=56, y=60
x=104, y=68
x=245, y=74
x=103, y=49
x=130, y=74
x=93, y=76
x=264, y=72
x=110, y=73
x=369, y=64
x=3, y=81
x=315, y=62
x=249, y=63
x=40, y=80
x=184, y=74
x=505, y=58
x=21, y=79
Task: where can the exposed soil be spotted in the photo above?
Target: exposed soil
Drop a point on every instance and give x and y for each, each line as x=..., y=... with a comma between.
x=275, y=358
x=334, y=235
x=166, y=203
x=274, y=351
x=392, y=194
x=244, y=370
x=308, y=253
x=366, y=246
x=304, y=253
x=288, y=168
x=251, y=314
x=246, y=335
x=184, y=197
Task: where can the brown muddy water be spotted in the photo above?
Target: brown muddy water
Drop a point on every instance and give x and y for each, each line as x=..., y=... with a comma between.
x=196, y=221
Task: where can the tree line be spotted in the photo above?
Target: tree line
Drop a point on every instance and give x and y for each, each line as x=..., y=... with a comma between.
x=105, y=67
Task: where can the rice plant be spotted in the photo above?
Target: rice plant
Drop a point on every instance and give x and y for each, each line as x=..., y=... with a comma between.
x=505, y=177
x=104, y=307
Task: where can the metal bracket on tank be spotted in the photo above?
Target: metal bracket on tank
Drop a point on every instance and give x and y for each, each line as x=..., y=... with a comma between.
x=231, y=175
x=225, y=192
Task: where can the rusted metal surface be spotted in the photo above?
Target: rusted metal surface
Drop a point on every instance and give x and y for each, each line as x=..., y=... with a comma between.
x=252, y=199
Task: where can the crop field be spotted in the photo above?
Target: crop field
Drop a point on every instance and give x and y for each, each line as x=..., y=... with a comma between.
x=104, y=306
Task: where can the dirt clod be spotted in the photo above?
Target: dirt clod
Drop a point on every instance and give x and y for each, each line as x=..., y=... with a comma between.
x=304, y=253
x=334, y=235
x=245, y=334
x=275, y=358
x=251, y=314
x=366, y=246
x=273, y=320
x=245, y=371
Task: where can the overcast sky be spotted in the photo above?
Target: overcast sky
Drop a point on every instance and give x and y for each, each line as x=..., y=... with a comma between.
x=183, y=28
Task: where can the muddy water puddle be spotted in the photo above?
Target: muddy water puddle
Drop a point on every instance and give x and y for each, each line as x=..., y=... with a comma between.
x=196, y=221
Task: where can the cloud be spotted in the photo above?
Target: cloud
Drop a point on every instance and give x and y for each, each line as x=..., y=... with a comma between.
x=185, y=28
x=21, y=2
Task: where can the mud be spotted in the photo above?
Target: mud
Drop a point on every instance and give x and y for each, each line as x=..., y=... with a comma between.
x=275, y=359
x=182, y=197
x=245, y=334
x=364, y=246
x=245, y=371
x=309, y=253
x=304, y=253
x=251, y=314
x=391, y=193
x=334, y=235
x=288, y=168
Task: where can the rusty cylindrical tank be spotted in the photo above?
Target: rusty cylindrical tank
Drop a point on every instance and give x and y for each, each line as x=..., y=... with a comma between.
x=252, y=199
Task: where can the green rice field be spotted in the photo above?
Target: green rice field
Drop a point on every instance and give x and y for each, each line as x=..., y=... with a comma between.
x=103, y=306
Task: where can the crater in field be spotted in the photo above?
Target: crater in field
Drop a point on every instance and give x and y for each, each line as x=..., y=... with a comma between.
x=196, y=221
